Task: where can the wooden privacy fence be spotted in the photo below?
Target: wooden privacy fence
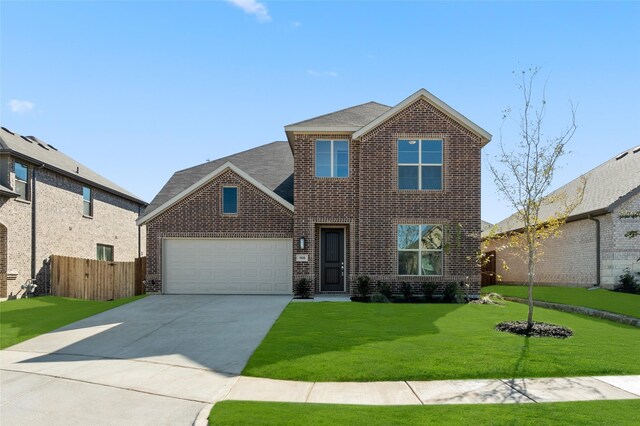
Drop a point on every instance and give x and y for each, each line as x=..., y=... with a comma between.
x=96, y=279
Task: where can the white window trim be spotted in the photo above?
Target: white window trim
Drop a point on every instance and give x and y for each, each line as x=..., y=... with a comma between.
x=237, y=200
x=420, y=164
x=420, y=250
x=333, y=165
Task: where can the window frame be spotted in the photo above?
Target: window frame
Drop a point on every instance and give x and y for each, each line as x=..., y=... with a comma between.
x=89, y=202
x=103, y=246
x=420, y=164
x=27, y=192
x=222, y=198
x=333, y=171
x=420, y=250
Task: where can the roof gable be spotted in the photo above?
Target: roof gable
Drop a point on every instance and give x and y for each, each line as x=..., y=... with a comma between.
x=206, y=179
x=437, y=103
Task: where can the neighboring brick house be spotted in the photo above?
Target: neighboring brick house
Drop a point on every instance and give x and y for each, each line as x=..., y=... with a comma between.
x=51, y=204
x=592, y=248
x=388, y=192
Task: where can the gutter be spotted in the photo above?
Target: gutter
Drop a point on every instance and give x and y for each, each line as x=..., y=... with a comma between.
x=597, y=221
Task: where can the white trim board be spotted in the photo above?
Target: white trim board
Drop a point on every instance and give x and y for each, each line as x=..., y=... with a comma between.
x=199, y=184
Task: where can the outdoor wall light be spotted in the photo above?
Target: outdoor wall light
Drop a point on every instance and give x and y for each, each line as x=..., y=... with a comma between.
x=301, y=241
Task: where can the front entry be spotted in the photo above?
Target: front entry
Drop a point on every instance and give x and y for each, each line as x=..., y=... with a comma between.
x=332, y=259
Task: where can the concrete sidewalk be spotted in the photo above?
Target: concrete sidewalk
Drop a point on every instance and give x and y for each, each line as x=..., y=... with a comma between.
x=493, y=391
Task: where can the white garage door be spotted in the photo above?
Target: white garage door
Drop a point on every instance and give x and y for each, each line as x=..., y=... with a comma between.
x=227, y=266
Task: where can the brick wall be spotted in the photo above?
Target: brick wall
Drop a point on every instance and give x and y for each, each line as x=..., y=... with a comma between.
x=567, y=260
x=369, y=204
x=625, y=251
x=200, y=215
x=61, y=227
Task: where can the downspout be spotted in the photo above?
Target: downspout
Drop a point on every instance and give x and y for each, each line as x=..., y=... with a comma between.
x=597, y=249
x=33, y=220
x=139, y=239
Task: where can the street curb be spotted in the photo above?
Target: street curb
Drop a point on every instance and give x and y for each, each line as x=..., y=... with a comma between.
x=203, y=416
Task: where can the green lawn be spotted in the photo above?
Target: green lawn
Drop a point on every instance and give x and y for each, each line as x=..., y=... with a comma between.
x=23, y=319
x=374, y=342
x=604, y=300
x=570, y=413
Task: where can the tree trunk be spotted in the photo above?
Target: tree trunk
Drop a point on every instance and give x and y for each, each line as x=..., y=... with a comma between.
x=531, y=271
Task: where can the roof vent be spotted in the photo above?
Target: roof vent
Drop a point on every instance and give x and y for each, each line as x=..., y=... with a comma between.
x=621, y=155
x=26, y=139
x=7, y=130
x=52, y=147
x=43, y=146
x=636, y=149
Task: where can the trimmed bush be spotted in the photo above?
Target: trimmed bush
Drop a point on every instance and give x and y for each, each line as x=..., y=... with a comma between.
x=452, y=293
x=407, y=291
x=428, y=290
x=627, y=283
x=302, y=288
x=384, y=289
x=379, y=298
x=363, y=285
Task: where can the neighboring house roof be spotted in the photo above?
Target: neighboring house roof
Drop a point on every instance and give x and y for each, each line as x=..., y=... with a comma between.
x=271, y=165
x=36, y=151
x=606, y=186
x=206, y=179
x=484, y=225
x=348, y=119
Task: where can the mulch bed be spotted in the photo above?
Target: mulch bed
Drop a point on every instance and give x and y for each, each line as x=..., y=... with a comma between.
x=539, y=329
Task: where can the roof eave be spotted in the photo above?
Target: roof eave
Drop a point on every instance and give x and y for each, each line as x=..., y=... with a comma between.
x=199, y=184
x=485, y=136
x=321, y=129
x=74, y=176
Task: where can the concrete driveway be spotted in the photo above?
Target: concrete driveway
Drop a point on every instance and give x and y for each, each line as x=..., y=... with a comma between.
x=156, y=361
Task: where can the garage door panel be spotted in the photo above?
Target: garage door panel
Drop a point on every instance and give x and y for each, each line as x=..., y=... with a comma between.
x=227, y=266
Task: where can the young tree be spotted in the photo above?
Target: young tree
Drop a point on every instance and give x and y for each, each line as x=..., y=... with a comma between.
x=523, y=172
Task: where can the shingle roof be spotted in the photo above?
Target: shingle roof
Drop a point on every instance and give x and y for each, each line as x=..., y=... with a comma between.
x=7, y=192
x=270, y=164
x=36, y=151
x=610, y=182
x=355, y=116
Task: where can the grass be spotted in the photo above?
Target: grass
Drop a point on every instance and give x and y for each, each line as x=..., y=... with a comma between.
x=374, y=342
x=272, y=413
x=604, y=300
x=24, y=319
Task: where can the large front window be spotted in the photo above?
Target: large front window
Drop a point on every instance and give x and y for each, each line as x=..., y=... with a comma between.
x=420, y=249
x=332, y=158
x=22, y=180
x=420, y=164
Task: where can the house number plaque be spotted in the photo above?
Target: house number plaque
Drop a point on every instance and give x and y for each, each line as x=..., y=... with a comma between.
x=302, y=257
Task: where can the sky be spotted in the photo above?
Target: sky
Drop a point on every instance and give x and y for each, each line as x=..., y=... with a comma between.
x=137, y=90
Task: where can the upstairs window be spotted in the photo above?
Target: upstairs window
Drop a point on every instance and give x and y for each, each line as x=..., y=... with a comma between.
x=87, y=202
x=420, y=249
x=332, y=158
x=230, y=200
x=105, y=252
x=22, y=180
x=420, y=164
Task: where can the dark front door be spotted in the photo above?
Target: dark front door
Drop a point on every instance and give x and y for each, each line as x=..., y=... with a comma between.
x=332, y=259
x=488, y=269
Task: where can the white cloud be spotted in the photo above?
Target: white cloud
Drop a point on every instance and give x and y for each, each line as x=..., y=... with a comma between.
x=253, y=7
x=20, y=107
x=322, y=73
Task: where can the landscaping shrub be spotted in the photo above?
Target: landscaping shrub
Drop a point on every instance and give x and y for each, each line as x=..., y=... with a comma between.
x=428, y=290
x=627, y=283
x=407, y=291
x=379, y=298
x=302, y=288
x=384, y=289
x=452, y=293
x=363, y=285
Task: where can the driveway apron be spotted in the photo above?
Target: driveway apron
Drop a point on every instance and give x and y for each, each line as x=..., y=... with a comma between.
x=155, y=361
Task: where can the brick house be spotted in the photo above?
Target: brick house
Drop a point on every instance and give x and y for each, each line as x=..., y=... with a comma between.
x=51, y=204
x=388, y=192
x=592, y=248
